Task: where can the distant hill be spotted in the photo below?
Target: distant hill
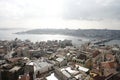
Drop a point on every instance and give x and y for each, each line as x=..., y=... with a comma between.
x=92, y=33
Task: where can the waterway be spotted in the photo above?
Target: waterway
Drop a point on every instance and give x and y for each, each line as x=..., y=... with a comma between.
x=9, y=35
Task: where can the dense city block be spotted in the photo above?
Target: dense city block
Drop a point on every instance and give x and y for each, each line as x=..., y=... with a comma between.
x=58, y=60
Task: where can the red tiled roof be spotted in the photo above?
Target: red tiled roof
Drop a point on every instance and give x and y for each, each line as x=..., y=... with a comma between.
x=108, y=64
x=95, y=53
x=25, y=77
x=109, y=56
x=99, y=78
x=14, y=59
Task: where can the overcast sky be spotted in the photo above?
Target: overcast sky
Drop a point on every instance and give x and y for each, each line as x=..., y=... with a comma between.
x=83, y=14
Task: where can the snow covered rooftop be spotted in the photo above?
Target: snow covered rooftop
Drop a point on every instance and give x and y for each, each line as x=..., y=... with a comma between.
x=82, y=68
x=38, y=64
x=51, y=77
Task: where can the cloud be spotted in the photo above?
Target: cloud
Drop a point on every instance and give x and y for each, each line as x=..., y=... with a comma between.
x=92, y=9
x=66, y=9
x=26, y=9
x=60, y=13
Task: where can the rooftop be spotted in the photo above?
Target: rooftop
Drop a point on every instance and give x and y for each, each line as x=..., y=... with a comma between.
x=16, y=68
x=68, y=69
x=82, y=68
x=38, y=64
x=51, y=77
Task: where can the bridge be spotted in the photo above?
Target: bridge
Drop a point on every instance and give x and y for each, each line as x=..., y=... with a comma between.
x=102, y=41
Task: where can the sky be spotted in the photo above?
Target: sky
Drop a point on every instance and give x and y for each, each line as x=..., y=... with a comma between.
x=72, y=14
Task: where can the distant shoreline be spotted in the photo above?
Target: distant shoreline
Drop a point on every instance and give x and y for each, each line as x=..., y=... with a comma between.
x=89, y=33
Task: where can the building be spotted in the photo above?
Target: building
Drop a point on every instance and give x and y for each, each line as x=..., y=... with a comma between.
x=72, y=73
x=11, y=74
x=24, y=77
x=37, y=67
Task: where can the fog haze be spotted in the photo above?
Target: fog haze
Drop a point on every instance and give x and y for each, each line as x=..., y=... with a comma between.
x=73, y=14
